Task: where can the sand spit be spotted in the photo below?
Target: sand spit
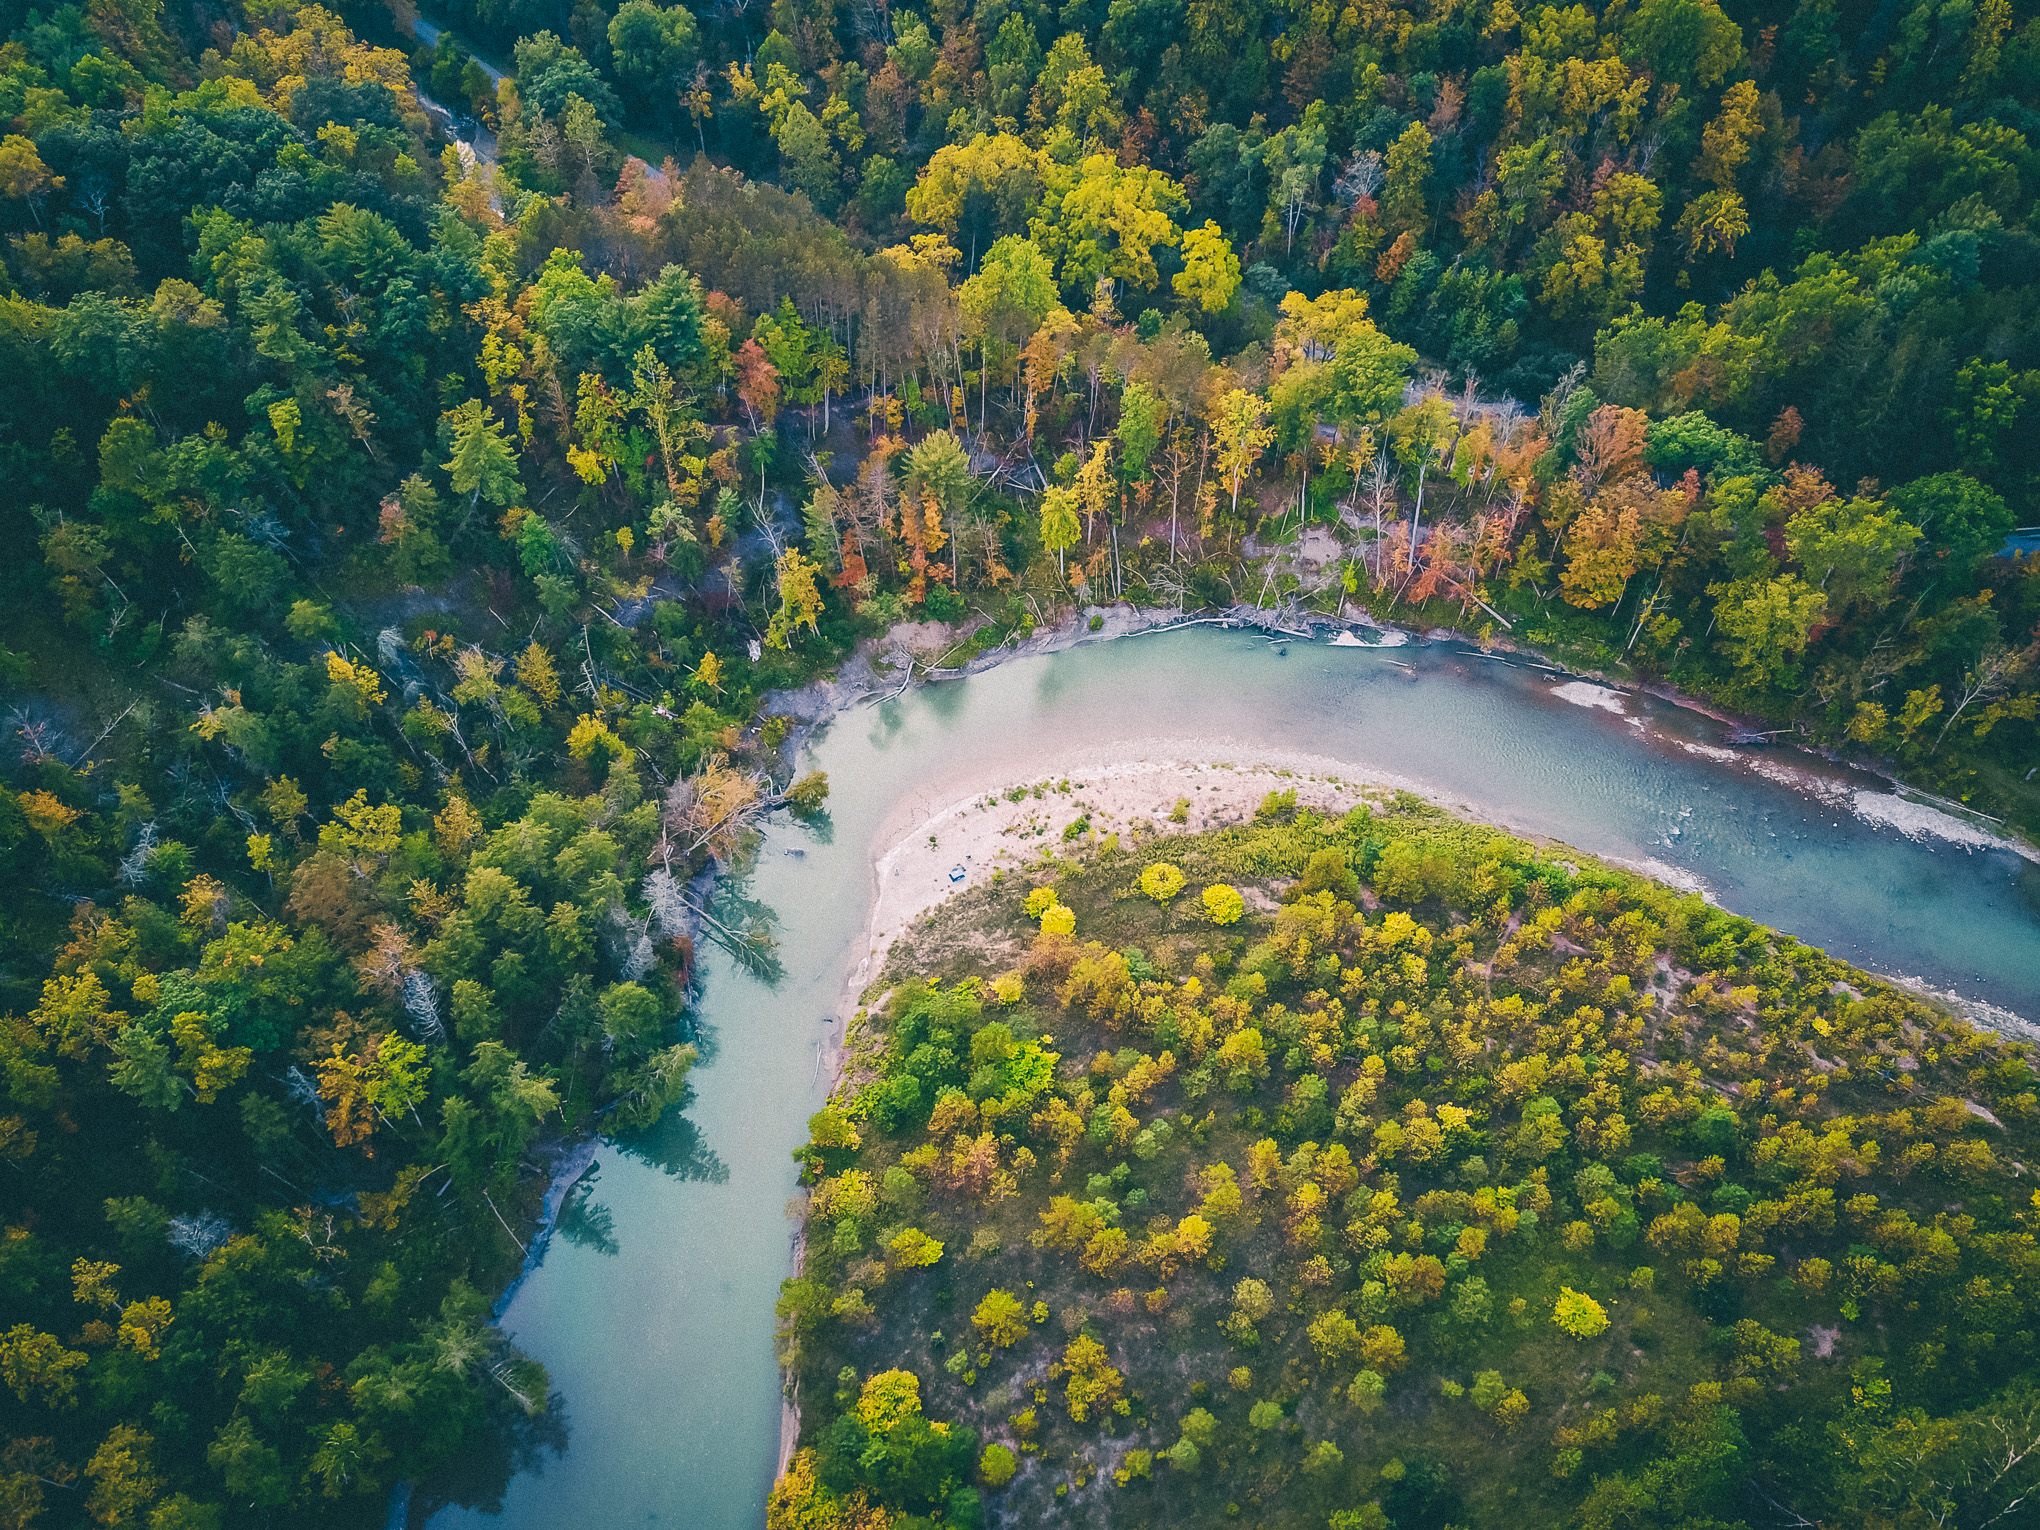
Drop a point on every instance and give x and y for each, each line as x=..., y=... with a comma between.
x=1005, y=830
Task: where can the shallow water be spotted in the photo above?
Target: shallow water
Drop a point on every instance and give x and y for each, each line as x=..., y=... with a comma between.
x=653, y=1310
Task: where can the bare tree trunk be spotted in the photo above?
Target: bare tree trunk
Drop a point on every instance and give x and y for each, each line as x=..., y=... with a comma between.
x=1416, y=519
x=1175, y=497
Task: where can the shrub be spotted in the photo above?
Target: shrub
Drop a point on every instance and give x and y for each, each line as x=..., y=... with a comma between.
x=1383, y=1347
x=914, y=1250
x=1224, y=903
x=1333, y=1335
x=1324, y=1459
x=1329, y=871
x=1368, y=1390
x=1579, y=1314
x=1399, y=874
x=829, y=1128
x=997, y=1466
x=1001, y=1318
x=1162, y=881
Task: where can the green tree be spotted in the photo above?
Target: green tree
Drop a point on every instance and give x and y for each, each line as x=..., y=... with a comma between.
x=939, y=467
x=1960, y=519
x=1241, y=438
x=1409, y=168
x=251, y=1470
x=482, y=465
x=1100, y=218
x=1766, y=623
x=1970, y=1468
x=1851, y=549
x=1369, y=373
x=142, y=1069
x=652, y=48
x=630, y=1014
x=1688, y=42
x=1061, y=529
x=811, y=162
x=1142, y=414
x=1005, y=302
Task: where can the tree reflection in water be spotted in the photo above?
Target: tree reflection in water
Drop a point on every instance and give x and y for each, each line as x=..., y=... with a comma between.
x=675, y=1147
x=478, y=1475
x=585, y=1222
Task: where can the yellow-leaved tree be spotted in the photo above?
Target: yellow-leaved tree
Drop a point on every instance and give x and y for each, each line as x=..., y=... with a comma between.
x=1001, y=1318
x=1162, y=881
x=1579, y=1314
x=800, y=598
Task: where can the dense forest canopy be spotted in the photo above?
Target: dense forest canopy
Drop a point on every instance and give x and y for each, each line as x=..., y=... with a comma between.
x=1385, y=1171
x=423, y=456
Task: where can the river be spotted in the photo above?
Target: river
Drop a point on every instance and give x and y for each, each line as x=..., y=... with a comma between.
x=653, y=1310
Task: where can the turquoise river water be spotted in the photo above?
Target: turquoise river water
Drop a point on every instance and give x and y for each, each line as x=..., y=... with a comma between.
x=653, y=1309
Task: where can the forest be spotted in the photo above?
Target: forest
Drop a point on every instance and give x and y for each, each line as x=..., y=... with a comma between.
x=430, y=440
x=1386, y=1170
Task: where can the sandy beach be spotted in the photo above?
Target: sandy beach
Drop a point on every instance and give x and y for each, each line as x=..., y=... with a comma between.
x=1009, y=828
